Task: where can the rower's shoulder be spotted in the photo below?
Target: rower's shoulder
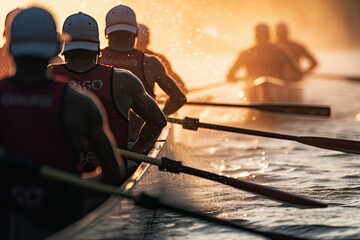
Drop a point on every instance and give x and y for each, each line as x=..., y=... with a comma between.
x=126, y=79
x=152, y=59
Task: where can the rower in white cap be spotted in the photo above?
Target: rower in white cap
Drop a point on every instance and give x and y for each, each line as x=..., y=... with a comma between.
x=119, y=90
x=121, y=31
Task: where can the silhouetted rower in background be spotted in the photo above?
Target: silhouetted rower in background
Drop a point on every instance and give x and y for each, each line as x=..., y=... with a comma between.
x=298, y=53
x=263, y=59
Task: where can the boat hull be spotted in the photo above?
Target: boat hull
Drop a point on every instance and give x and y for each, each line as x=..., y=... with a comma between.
x=116, y=207
x=269, y=89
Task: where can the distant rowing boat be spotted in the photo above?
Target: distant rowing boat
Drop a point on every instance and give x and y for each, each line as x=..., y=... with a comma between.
x=269, y=89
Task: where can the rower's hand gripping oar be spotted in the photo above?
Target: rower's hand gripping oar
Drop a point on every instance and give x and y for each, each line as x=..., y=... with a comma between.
x=169, y=165
x=298, y=109
x=140, y=200
x=342, y=145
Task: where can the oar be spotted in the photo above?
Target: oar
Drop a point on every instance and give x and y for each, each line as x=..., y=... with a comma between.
x=140, y=200
x=314, y=110
x=169, y=165
x=342, y=145
x=334, y=76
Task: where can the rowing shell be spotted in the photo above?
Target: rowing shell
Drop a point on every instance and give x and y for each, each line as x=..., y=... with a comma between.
x=269, y=89
x=115, y=206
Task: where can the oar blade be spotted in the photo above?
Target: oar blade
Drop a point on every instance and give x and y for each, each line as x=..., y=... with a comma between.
x=342, y=145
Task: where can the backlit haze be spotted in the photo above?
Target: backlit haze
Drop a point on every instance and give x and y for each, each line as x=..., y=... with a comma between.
x=204, y=30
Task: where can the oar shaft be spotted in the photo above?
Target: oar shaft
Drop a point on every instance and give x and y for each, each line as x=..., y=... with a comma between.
x=315, y=110
x=173, y=166
x=153, y=203
x=258, y=189
x=194, y=124
x=247, y=131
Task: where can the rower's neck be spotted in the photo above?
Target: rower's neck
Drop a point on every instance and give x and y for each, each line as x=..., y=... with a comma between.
x=81, y=65
x=121, y=45
x=31, y=70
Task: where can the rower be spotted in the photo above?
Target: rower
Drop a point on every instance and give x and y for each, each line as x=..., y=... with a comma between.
x=264, y=59
x=119, y=90
x=43, y=122
x=142, y=44
x=121, y=31
x=299, y=54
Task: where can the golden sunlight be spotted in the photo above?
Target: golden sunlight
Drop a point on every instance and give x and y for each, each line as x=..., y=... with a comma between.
x=189, y=31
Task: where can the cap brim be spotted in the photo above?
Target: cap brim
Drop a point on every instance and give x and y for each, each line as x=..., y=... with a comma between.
x=44, y=50
x=81, y=45
x=121, y=27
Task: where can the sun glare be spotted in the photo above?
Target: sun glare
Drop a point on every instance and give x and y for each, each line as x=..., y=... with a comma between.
x=189, y=31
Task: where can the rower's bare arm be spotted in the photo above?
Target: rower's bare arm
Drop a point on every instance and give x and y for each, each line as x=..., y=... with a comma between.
x=232, y=73
x=146, y=108
x=89, y=122
x=310, y=58
x=155, y=70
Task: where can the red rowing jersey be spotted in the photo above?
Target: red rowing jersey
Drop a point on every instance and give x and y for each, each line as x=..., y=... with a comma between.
x=99, y=80
x=31, y=123
x=32, y=130
x=131, y=60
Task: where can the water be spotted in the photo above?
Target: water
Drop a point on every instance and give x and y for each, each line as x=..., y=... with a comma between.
x=328, y=176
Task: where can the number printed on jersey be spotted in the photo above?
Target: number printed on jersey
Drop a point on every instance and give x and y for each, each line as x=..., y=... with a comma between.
x=92, y=85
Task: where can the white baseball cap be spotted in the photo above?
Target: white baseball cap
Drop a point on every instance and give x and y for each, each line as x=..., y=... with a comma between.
x=33, y=34
x=120, y=18
x=83, y=31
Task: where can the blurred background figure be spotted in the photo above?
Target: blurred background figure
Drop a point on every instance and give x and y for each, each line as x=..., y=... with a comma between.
x=43, y=122
x=298, y=53
x=7, y=65
x=263, y=59
x=142, y=43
